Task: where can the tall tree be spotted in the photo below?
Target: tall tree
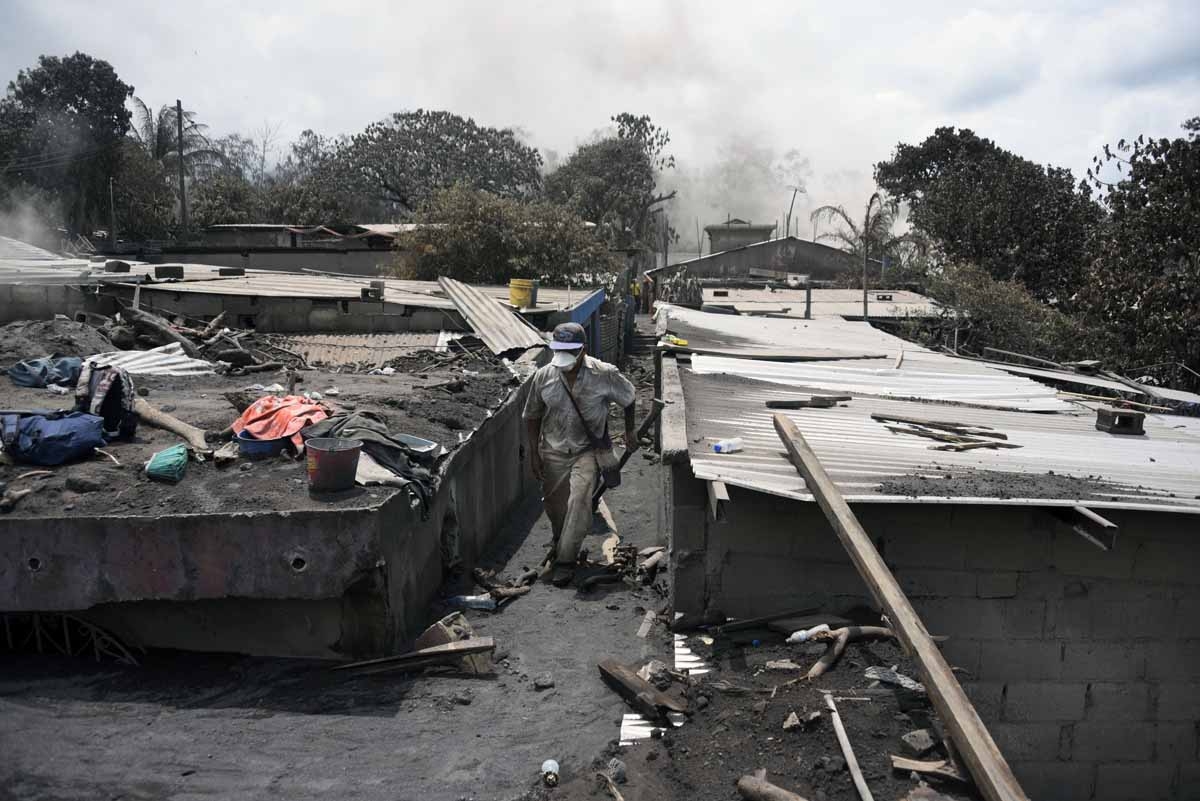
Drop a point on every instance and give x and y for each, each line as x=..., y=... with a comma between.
x=63, y=123
x=143, y=198
x=1145, y=282
x=474, y=235
x=610, y=183
x=404, y=159
x=158, y=134
x=983, y=205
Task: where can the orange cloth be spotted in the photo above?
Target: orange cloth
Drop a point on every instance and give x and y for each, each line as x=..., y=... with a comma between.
x=272, y=417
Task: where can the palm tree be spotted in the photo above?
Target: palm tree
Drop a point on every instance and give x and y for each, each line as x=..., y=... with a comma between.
x=158, y=134
x=873, y=236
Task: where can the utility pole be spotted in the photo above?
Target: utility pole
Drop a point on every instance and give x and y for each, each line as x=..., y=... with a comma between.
x=183, y=214
x=112, y=217
x=795, y=191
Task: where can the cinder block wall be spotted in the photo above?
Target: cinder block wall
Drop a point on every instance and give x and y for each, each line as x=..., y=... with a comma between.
x=1085, y=664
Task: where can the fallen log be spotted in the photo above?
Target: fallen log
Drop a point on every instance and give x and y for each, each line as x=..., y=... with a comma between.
x=213, y=326
x=151, y=416
x=754, y=788
x=265, y=367
x=158, y=325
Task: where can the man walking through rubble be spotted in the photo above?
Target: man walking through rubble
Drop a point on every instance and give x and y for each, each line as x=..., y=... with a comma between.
x=572, y=392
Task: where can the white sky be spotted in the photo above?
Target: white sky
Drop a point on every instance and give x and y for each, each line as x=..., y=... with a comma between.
x=840, y=83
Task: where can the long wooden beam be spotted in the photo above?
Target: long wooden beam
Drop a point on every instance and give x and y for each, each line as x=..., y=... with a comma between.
x=983, y=758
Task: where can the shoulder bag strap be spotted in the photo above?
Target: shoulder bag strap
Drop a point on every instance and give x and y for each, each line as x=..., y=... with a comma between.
x=596, y=443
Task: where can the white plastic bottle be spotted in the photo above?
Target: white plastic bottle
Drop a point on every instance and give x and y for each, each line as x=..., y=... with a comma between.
x=729, y=445
x=804, y=635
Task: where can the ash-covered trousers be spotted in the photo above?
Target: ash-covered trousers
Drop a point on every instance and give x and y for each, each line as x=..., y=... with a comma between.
x=567, y=495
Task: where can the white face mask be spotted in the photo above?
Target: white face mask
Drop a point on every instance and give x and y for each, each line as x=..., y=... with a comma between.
x=564, y=365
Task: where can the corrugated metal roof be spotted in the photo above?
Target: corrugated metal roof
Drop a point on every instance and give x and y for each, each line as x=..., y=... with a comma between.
x=16, y=249
x=884, y=303
x=373, y=349
x=499, y=327
x=166, y=360
x=860, y=453
x=907, y=370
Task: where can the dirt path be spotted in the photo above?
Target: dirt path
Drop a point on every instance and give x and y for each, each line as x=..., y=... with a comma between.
x=187, y=726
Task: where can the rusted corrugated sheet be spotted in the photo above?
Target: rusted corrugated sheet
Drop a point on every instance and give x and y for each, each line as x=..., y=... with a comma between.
x=499, y=328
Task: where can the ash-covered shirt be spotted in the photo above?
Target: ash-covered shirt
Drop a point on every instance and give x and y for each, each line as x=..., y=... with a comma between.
x=597, y=385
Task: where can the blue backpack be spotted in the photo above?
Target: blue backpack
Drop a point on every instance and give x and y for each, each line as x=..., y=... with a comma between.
x=51, y=439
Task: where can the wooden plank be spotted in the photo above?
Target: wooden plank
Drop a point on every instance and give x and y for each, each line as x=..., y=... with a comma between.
x=718, y=493
x=945, y=425
x=637, y=692
x=673, y=443
x=757, y=788
x=1098, y=530
x=437, y=653
x=983, y=758
x=941, y=768
x=860, y=781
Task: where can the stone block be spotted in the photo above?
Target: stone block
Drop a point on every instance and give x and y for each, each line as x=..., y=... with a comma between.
x=1057, y=781
x=987, y=697
x=1069, y=619
x=1104, y=741
x=1176, y=660
x=1021, y=660
x=1022, y=742
x=1103, y=661
x=1023, y=619
x=930, y=548
x=962, y=653
x=1175, y=742
x=922, y=583
x=1133, y=619
x=1047, y=584
x=1178, y=701
x=1148, y=781
x=997, y=584
x=991, y=547
x=1072, y=555
x=1119, y=700
x=1167, y=562
x=1044, y=701
x=962, y=617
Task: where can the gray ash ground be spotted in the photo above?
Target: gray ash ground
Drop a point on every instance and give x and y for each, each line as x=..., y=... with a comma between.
x=441, y=405
x=967, y=483
x=32, y=339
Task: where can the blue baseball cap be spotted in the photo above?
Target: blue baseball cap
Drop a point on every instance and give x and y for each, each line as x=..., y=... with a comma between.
x=568, y=336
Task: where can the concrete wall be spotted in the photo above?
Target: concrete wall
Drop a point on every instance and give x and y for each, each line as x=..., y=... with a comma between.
x=233, y=583
x=364, y=261
x=299, y=315
x=1085, y=664
x=42, y=301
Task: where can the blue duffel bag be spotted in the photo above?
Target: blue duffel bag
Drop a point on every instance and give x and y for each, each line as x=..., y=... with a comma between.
x=51, y=439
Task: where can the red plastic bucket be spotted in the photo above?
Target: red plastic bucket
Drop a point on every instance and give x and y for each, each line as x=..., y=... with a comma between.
x=332, y=463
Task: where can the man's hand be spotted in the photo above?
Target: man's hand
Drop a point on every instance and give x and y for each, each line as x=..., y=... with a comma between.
x=535, y=462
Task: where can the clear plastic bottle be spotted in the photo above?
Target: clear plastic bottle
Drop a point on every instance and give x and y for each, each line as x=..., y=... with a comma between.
x=550, y=773
x=728, y=445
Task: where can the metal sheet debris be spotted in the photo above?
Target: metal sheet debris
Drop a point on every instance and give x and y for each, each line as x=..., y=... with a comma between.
x=165, y=360
x=500, y=328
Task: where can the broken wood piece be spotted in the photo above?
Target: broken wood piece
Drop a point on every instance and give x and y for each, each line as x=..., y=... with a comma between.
x=265, y=367
x=815, y=402
x=650, y=567
x=718, y=494
x=838, y=639
x=611, y=785
x=938, y=435
x=647, y=623
x=637, y=692
x=757, y=788
x=103, y=452
x=653, y=549
x=144, y=319
x=151, y=416
x=34, y=474
x=938, y=768
x=856, y=773
x=12, y=497
x=423, y=657
x=954, y=428
x=214, y=325
x=987, y=765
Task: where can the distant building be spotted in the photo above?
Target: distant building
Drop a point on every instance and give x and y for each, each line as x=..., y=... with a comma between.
x=736, y=233
x=775, y=259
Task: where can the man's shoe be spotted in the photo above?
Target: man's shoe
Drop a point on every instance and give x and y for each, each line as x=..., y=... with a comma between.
x=563, y=575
